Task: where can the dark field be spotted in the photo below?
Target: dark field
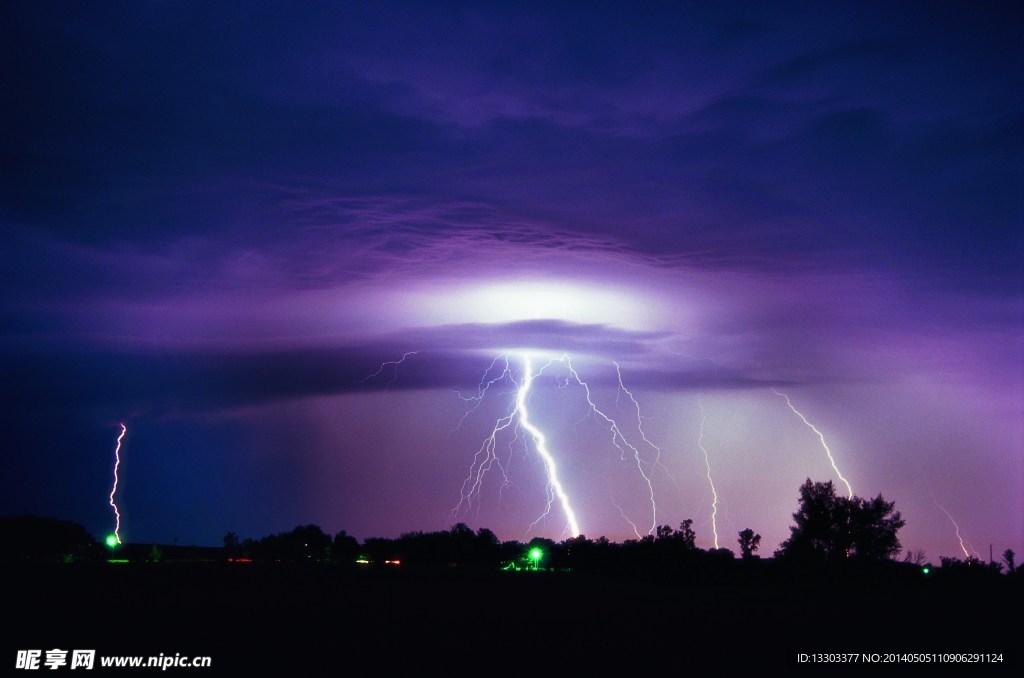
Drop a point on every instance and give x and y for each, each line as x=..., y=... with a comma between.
x=311, y=620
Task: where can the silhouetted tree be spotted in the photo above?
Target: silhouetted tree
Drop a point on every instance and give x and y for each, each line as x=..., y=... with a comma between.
x=749, y=542
x=687, y=537
x=486, y=546
x=344, y=548
x=970, y=569
x=32, y=538
x=304, y=543
x=917, y=557
x=313, y=540
x=231, y=544
x=873, y=525
x=1008, y=555
x=836, y=528
x=668, y=540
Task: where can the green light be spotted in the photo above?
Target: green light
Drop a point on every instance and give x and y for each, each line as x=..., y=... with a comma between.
x=112, y=541
x=926, y=570
x=535, y=555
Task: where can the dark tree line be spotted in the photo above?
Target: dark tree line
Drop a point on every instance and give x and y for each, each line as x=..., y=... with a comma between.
x=32, y=538
x=829, y=531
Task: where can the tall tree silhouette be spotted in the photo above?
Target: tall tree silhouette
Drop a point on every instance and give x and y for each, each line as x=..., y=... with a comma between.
x=837, y=528
x=749, y=541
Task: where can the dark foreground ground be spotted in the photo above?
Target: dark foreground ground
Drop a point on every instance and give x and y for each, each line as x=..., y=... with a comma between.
x=308, y=620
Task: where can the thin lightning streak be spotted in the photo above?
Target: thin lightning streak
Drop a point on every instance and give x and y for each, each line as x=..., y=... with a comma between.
x=960, y=538
x=849, y=490
x=616, y=436
x=478, y=468
x=482, y=389
x=640, y=423
x=395, y=363
x=707, y=464
x=626, y=518
x=117, y=462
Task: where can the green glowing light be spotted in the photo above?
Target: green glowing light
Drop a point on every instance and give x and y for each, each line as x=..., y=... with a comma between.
x=926, y=570
x=112, y=541
x=535, y=554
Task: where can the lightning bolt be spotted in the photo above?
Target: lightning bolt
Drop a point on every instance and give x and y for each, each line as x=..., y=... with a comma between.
x=117, y=462
x=707, y=464
x=482, y=388
x=394, y=375
x=541, y=444
x=963, y=543
x=486, y=456
x=618, y=439
x=849, y=490
x=626, y=518
x=479, y=467
x=640, y=424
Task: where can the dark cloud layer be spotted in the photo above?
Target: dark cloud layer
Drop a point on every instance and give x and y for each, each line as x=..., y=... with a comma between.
x=172, y=382
x=863, y=141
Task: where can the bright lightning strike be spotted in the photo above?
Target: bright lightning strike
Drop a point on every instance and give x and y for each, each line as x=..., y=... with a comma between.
x=520, y=417
x=486, y=456
x=849, y=490
x=707, y=464
x=117, y=463
x=541, y=444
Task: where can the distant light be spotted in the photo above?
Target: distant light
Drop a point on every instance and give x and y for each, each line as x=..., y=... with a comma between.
x=536, y=554
x=392, y=562
x=926, y=570
x=112, y=541
x=362, y=560
x=117, y=560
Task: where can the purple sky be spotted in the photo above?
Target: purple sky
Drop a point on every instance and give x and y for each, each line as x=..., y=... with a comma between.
x=217, y=219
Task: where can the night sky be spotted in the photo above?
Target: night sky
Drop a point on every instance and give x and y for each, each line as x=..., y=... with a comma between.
x=218, y=219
